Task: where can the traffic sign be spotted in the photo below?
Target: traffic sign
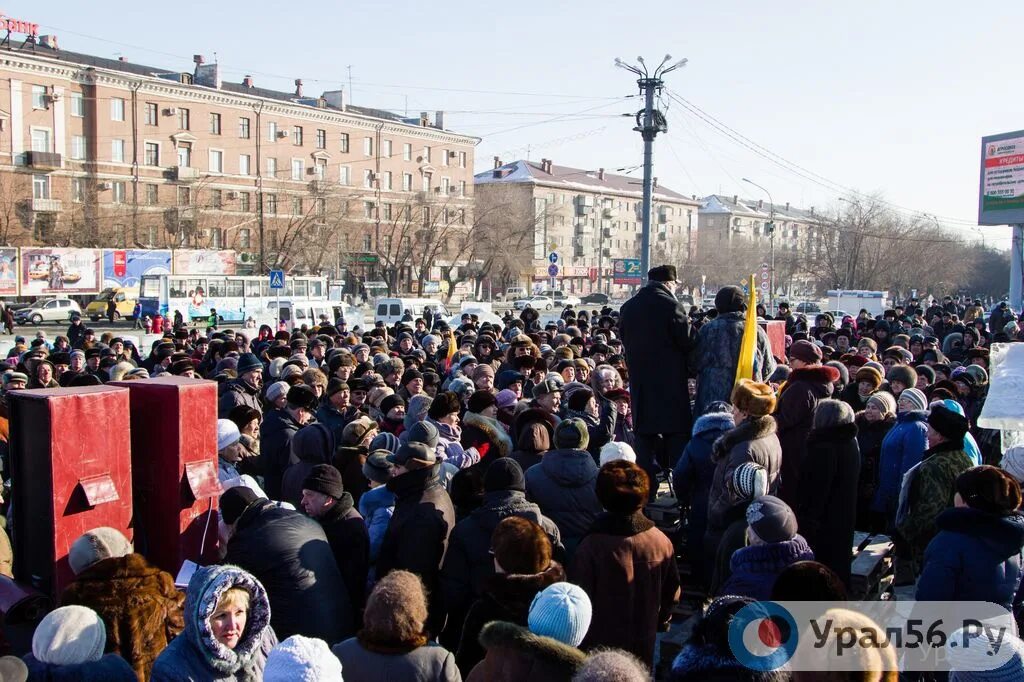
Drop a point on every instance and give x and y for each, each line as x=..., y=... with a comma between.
x=277, y=279
x=553, y=270
x=553, y=257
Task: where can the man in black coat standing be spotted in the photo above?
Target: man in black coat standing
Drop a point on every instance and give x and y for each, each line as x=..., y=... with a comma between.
x=657, y=338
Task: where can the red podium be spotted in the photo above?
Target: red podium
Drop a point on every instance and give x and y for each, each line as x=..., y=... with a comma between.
x=71, y=472
x=174, y=469
x=776, y=331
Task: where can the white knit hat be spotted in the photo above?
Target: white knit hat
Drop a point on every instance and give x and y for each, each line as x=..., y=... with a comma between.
x=276, y=390
x=1013, y=462
x=614, y=450
x=68, y=636
x=302, y=659
x=227, y=433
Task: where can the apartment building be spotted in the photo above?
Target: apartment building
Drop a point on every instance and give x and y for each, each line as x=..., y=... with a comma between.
x=111, y=153
x=589, y=218
x=724, y=219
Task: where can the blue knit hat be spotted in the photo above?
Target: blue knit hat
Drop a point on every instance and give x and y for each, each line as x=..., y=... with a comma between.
x=561, y=611
x=385, y=441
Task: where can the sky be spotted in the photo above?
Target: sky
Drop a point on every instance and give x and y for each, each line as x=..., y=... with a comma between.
x=848, y=99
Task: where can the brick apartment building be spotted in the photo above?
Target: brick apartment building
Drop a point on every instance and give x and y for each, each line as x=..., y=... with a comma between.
x=109, y=153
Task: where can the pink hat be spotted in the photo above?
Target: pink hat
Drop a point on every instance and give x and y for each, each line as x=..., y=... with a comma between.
x=506, y=398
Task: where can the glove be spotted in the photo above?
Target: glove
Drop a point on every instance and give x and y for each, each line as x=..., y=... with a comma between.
x=483, y=448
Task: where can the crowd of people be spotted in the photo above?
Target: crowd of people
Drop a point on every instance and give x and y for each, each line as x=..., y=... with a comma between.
x=429, y=503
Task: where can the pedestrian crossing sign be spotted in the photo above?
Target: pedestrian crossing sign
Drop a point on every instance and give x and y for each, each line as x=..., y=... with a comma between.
x=277, y=279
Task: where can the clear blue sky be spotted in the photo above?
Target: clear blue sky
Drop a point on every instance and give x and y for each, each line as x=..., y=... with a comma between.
x=887, y=97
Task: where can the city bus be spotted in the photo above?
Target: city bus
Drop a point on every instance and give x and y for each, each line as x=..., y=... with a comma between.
x=235, y=297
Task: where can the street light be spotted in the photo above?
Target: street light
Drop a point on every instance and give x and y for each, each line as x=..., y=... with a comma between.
x=771, y=237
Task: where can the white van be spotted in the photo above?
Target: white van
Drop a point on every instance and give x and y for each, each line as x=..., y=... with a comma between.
x=391, y=310
x=294, y=314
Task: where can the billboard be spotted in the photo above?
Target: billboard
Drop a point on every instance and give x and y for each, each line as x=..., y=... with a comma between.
x=203, y=262
x=1001, y=199
x=125, y=267
x=8, y=271
x=627, y=271
x=60, y=271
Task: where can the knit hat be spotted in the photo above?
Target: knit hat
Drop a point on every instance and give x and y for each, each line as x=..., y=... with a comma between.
x=520, y=546
x=95, y=545
x=391, y=402
x=504, y=474
x=505, y=399
x=916, y=398
x=276, y=390
x=903, y=374
x=750, y=481
x=357, y=429
x=972, y=663
x=754, y=398
x=445, y=403
x=622, y=487
x=884, y=401
x=480, y=401
x=561, y=611
x=302, y=659
x=377, y=468
x=396, y=610
x=482, y=370
x=413, y=456
x=871, y=375
x=248, y=362
x=423, y=432
x=234, y=502
x=303, y=396
x=947, y=423
x=771, y=519
x=805, y=351
x=989, y=489
x=324, y=478
x=227, y=433
x=572, y=434
x=579, y=398
x=70, y=635
x=1013, y=462
x=334, y=385
x=385, y=441
x=613, y=450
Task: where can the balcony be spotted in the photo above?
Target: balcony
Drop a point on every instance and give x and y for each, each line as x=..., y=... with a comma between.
x=42, y=160
x=182, y=213
x=184, y=173
x=318, y=186
x=424, y=197
x=46, y=205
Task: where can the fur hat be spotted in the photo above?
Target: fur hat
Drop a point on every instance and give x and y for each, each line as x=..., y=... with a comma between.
x=730, y=299
x=13, y=669
x=302, y=659
x=70, y=635
x=504, y=474
x=622, y=487
x=561, y=611
x=391, y=402
x=947, y=423
x=520, y=546
x=662, y=273
x=904, y=374
x=613, y=450
x=304, y=397
x=754, y=398
x=927, y=372
x=579, y=398
x=445, y=403
x=870, y=375
x=396, y=611
x=805, y=351
x=771, y=519
x=884, y=401
x=377, y=468
x=324, y=478
x=572, y=434
x=95, y=545
x=608, y=665
x=480, y=401
x=989, y=489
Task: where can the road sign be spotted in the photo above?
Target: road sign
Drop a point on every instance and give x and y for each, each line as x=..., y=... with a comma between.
x=553, y=270
x=277, y=279
x=553, y=257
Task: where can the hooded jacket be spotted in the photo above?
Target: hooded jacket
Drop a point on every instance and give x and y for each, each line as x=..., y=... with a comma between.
x=927, y=491
x=311, y=445
x=238, y=392
x=195, y=656
x=478, y=430
x=515, y=654
x=376, y=507
x=975, y=556
x=449, y=445
x=753, y=440
x=755, y=568
x=563, y=486
x=716, y=354
x=794, y=414
x=902, y=448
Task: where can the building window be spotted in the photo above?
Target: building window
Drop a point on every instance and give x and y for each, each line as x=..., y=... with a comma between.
x=40, y=186
x=216, y=198
x=344, y=175
x=152, y=194
x=271, y=204
x=321, y=138
x=185, y=154
x=215, y=124
x=297, y=206
x=387, y=180
x=216, y=238
x=118, y=193
x=386, y=211
x=271, y=131
x=117, y=151
x=77, y=190
x=245, y=238
x=462, y=216
x=151, y=114
x=40, y=140
x=462, y=159
x=367, y=178
x=426, y=154
x=407, y=152
x=426, y=216
x=184, y=121
x=320, y=170
x=367, y=146
x=297, y=136
x=216, y=161
x=298, y=167
x=444, y=157
x=406, y=182
x=243, y=128
x=320, y=207
x=78, y=147
x=38, y=97
x=426, y=182
x=152, y=154
x=386, y=149
x=368, y=210
x=462, y=188
x=116, y=109
x=445, y=185
x=344, y=143
x=77, y=104
x=367, y=243
x=243, y=164
x=272, y=167
x=184, y=196
x=243, y=202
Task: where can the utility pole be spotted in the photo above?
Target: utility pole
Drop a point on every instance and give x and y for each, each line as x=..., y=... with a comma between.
x=258, y=110
x=649, y=122
x=771, y=237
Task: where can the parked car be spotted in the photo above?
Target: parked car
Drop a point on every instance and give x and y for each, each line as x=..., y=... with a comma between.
x=47, y=310
x=536, y=302
x=560, y=298
x=808, y=307
x=124, y=298
x=595, y=298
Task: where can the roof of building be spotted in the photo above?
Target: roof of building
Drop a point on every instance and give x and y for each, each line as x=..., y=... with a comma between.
x=718, y=203
x=572, y=178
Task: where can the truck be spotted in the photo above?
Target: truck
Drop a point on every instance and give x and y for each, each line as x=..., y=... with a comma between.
x=853, y=300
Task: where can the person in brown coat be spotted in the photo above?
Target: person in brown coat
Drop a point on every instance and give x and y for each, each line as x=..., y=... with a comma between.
x=627, y=566
x=515, y=654
x=139, y=605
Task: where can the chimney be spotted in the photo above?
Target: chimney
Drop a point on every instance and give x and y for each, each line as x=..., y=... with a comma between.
x=812, y=210
x=654, y=182
x=497, y=162
x=735, y=198
x=787, y=205
x=298, y=87
x=424, y=120
x=247, y=81
x=198, y=59
x=439, y=120
x=600, y=173
x=49, y=41
x=335, y=98
x=122, y=59
x=205, y=74
x=760, y=204
x=544, y=165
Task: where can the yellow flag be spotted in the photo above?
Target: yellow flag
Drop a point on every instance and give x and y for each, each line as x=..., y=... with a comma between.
x=745, y=362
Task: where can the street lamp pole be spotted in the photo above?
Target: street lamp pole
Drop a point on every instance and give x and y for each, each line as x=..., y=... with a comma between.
x=771, y=237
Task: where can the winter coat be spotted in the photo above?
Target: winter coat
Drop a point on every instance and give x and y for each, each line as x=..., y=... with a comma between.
x=515, y=654
x=485, y=434
x=628, y=568
x=563, y=485
x=238, y=392
x=376, y=507
x=657, y=340
x=530, y=444
x=506, y=597
x=350, y=543
x=718, y=351
x=755, y=568
x=928, y=491
x=975, y=556
x=753, y=440
x=276, y=433
x=693, y=476
x=417, y=536
x=195, y=656
x=289, y=554
x=901, y=449
x=851, y=396
x=704, y=662
x=335, y=420
x=827, y=496
x=311, y=445
x=139, y=605
x=600, y=429
x=363, y=662
x=349, y=460
x=449, y=446
x=110, y=668
x=869, y=441
x=794, y=414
